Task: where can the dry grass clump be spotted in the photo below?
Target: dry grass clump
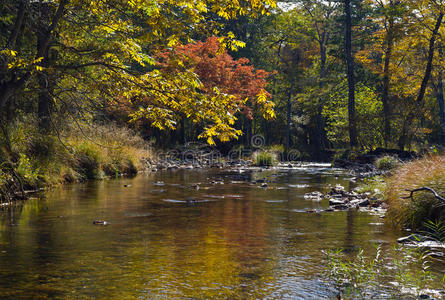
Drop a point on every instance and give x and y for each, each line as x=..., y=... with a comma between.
x=107, y=150
x=412, y=212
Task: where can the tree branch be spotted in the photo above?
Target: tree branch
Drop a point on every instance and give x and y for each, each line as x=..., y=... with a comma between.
x=424, y=188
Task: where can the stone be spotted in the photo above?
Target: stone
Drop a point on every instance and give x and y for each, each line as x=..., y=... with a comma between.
x=364, y=203
x=412, y=238
x=314, y=196
x=336, y=202
x=100, y=222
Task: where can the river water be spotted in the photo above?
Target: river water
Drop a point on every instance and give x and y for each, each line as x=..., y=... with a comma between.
x=234, y=240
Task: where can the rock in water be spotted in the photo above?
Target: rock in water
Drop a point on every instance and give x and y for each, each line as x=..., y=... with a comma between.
x=314, y=196
x=413, y=238
x=336, y=202
x=100, y=222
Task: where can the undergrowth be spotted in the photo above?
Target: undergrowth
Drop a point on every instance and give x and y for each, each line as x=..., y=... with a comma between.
x=30, y=160
x=411, y=212
x=265, y=158
x=403, y=274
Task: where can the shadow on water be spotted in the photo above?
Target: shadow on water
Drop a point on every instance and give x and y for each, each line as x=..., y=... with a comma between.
x=193, y=234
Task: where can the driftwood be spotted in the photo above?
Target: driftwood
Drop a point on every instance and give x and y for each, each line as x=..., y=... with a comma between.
x=424, y=188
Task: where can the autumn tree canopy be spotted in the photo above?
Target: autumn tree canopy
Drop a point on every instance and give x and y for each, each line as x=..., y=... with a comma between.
x=80, y=54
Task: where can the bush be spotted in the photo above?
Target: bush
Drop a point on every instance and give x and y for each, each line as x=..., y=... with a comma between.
x=264, y=158
x=114, y=151
x=412, y=212
x=89, y=160
x=387, y=162
x=27, y=171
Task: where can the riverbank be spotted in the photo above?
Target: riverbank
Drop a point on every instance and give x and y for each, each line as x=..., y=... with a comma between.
x=31, y=161
x=411, y=187
x=414, y=192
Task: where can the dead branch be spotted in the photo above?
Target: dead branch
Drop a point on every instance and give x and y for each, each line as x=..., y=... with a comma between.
x=424, y=188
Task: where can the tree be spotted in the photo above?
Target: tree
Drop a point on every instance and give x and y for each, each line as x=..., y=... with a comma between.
x=350, y=74
x=219, y=74
x=321, y=17
x=88, y=51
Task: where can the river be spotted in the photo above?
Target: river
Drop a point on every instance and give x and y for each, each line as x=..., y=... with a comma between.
x=233, y=240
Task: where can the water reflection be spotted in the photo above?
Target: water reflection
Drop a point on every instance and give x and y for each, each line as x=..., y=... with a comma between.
x=244, y=241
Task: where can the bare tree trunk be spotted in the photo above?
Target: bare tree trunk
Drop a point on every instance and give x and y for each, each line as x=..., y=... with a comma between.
x=386, y=79
x=289, y=111
x=350, y=73
x=46, y=86
x=429, y=64
x=439, y=97
x=320, y=126
x=404, y=136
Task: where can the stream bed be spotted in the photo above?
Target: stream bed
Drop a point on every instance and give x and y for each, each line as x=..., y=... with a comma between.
x=188, y=234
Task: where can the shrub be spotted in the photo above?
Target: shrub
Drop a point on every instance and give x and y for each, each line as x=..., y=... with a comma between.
x=412, y=212
x=89, y=159
x=387, y=162
x=27, y=171
x=264, y=158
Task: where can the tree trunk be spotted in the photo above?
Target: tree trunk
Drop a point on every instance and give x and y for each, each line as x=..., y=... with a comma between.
x=404, y=136
x=248, y=131
x=386, y=79
x=429, y=64
x=350, y=73
x=9, y=87
x=289, y=108
x=320, y=123
x=439, y=97
x=46, y=85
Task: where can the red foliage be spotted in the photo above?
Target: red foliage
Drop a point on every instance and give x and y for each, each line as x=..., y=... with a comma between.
x=216, y=68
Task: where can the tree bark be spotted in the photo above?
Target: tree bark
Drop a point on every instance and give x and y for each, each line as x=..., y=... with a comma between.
x=11, y=86
x=429, y=64
x=440, y=102
x=289, y=108
x=350, y=74
x=13, y=37
x=418, y=102
x=386, y=82
x=46, y=85
x=320, y=122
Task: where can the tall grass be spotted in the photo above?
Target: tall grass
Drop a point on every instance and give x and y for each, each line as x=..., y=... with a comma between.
x=264, y=158
x=108, y=150
x=412, y=212
x=74, y=154
x=400, y=275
